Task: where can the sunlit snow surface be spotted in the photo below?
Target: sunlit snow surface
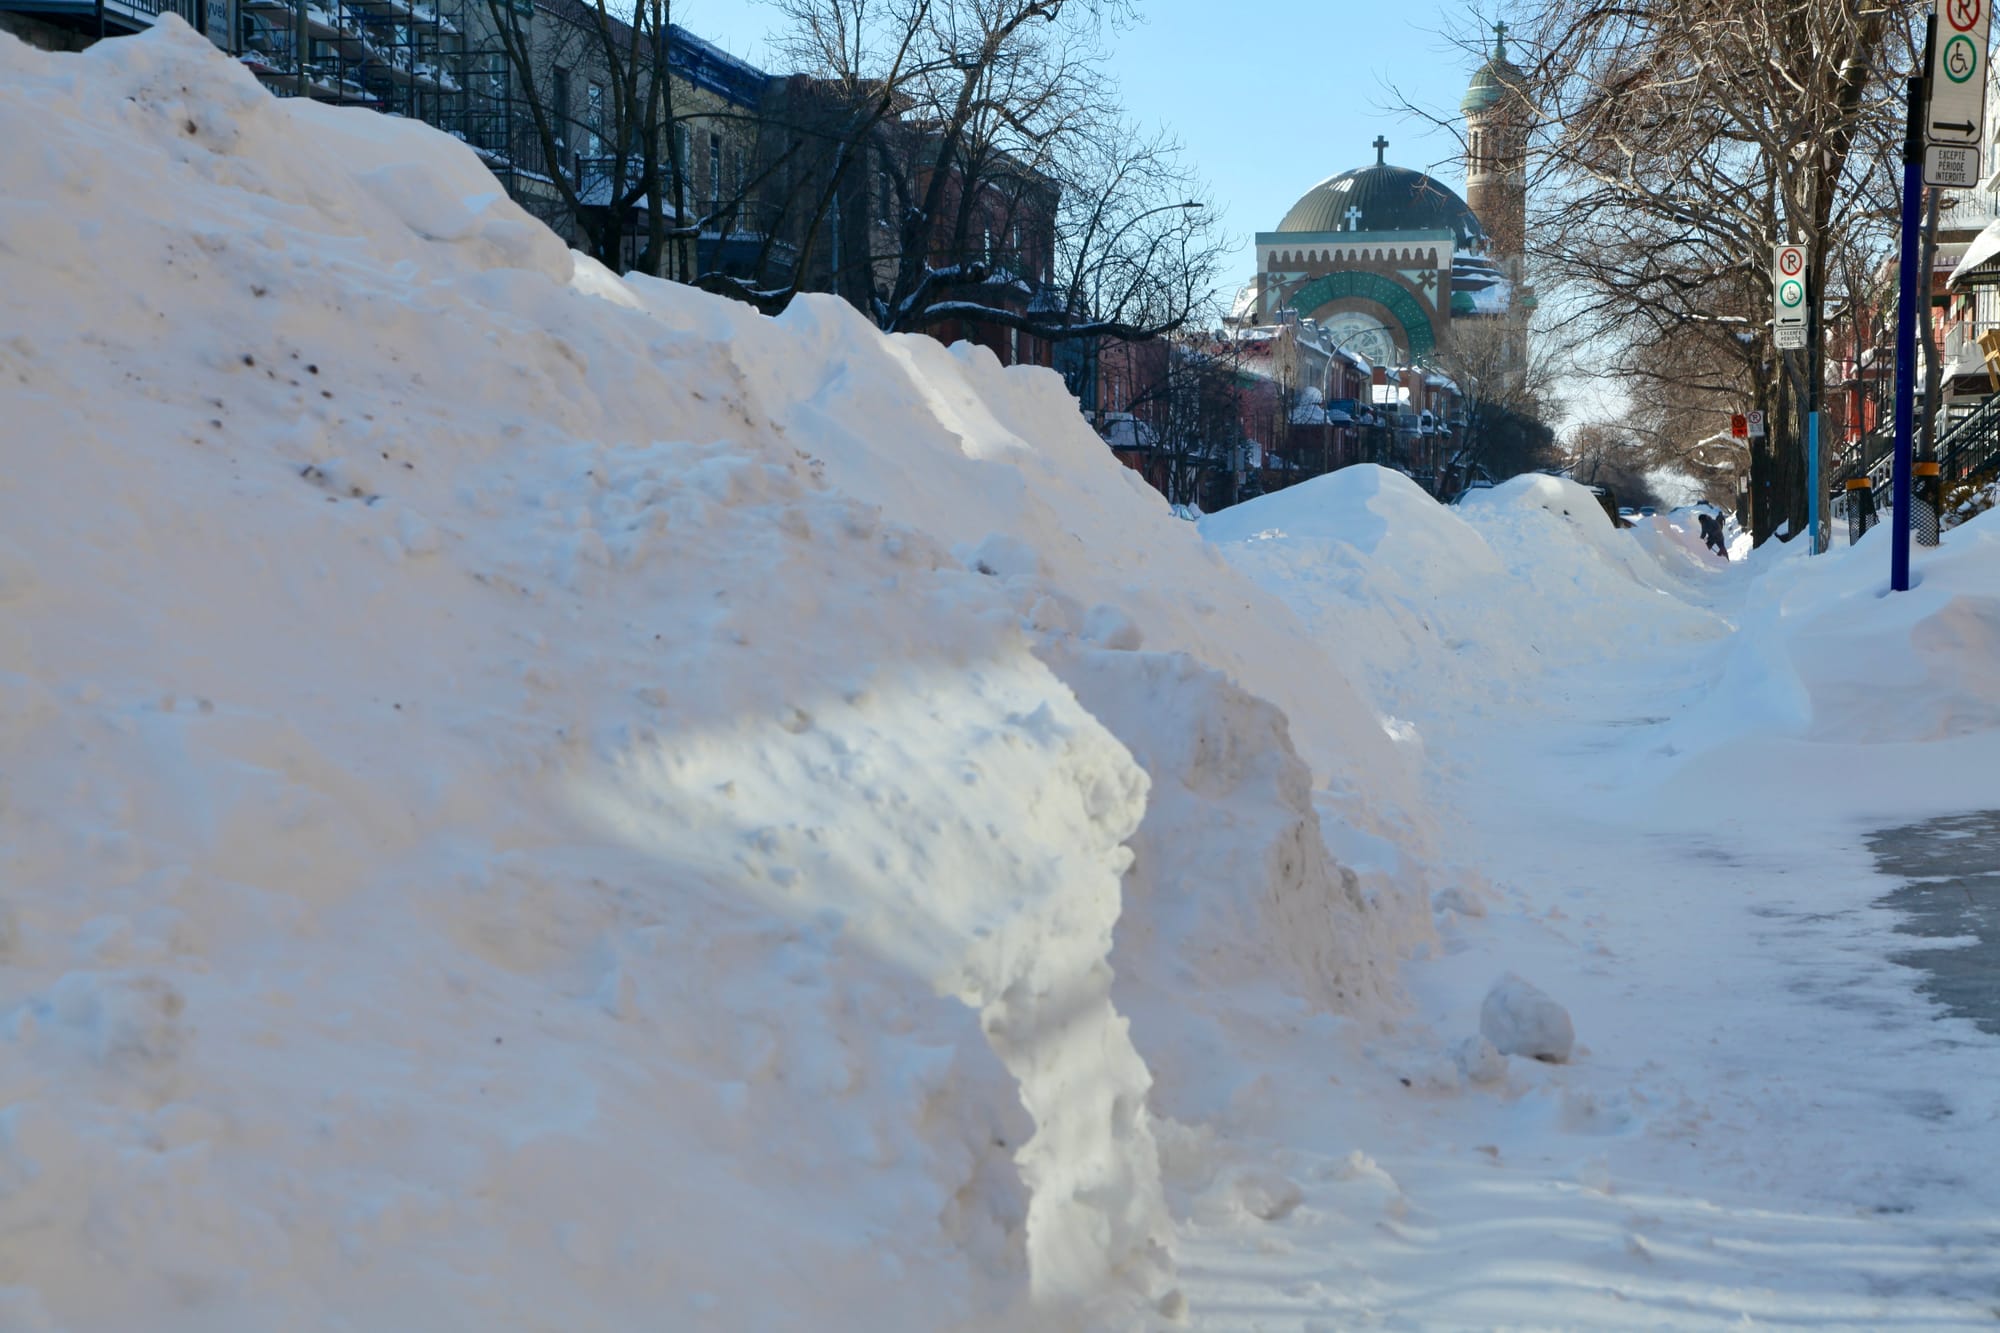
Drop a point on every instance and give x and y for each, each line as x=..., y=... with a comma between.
x=532, y=799
x=1764, y=1124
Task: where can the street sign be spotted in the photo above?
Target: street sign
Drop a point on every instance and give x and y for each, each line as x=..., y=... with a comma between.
x=1739, y=426
x=1788, y=290
x=1955, y=109
x=1791, y=338
x=1756, y=420
x=1951, y=168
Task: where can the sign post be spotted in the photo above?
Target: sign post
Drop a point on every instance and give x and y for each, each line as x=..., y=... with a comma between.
x=1945, y=138
x=1906, y=331
x=1788, y=296
x=1794, y=312
x=1955, y=115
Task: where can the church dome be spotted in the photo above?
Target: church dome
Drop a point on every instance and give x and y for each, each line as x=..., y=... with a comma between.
x=1495, y=79
x=1385, y=198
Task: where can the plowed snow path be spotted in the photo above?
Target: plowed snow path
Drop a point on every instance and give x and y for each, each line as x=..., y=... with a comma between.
x=1766, y=1124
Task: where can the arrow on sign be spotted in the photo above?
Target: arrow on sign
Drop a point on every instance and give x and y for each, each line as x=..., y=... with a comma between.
x=1964, y=127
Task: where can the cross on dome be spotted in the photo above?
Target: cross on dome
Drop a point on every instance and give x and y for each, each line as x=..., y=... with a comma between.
x=1381, y=147
x=1500, y=40
x=1353, y=216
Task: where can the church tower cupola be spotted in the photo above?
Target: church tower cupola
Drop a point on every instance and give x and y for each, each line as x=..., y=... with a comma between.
x=1497, y=118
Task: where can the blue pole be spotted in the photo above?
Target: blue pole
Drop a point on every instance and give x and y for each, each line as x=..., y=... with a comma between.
x=1812, y=479
x=1906, y=338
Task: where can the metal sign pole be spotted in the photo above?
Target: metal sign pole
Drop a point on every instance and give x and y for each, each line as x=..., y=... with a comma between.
x=1906, y=337
x=1812, y=479
x=1813, y=544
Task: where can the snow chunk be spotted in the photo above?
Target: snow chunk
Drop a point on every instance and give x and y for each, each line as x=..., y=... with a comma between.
x=1520, y=1020
x=1478, y=1060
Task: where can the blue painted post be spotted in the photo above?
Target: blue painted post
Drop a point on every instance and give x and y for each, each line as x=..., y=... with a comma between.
x=1906, y=337
x=1812, y=478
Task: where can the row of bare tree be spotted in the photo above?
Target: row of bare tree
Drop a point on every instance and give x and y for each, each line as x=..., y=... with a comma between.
x=932, y=160
x=1676, y=143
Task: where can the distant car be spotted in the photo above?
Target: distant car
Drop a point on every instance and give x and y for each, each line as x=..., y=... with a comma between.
x=1470, y=487
x=1627, y=511
x=1648, y=510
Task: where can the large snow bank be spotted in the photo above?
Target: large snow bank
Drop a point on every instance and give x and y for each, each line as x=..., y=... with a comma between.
x=1828, y=654
x=1378, y=511
x=1455, y=611
x=529, y=796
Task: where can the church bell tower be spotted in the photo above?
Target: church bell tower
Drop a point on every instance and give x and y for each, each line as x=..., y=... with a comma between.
x=1497, y=120
x=1496, y=154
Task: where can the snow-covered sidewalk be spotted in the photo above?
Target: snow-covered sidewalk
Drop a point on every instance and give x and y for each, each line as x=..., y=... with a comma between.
x=1764, y=1125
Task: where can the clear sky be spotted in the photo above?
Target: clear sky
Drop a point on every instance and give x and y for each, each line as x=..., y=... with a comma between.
x=1269, y=96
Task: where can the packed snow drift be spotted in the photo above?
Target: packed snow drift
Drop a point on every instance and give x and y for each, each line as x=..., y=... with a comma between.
x=533, y=798
x=531, y=792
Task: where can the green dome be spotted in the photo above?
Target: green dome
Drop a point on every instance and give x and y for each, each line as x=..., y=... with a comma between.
x=1495, y=78
x=1385, y=198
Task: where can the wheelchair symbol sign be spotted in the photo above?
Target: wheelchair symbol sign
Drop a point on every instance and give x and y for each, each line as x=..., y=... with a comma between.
x=1961, y=61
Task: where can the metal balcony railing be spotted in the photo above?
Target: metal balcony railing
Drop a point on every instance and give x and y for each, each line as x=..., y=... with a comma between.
x=1971, y=446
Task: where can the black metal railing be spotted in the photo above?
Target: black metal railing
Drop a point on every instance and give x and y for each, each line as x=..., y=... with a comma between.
x=1971, y=446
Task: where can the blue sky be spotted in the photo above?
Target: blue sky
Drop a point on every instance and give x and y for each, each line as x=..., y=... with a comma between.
x=1269, y=96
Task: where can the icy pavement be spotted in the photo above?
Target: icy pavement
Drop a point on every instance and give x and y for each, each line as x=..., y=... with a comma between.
x=1952, y=865
x=1767, y=1122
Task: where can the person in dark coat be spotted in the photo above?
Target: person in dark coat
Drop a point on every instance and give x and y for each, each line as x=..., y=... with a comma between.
x=1711, y=533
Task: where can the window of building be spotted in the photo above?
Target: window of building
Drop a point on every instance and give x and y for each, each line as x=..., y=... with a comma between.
x=593, y=121
x=833, y=227
x=715, y=167
x=885, y=190
x=684, y=153
x=563, y=108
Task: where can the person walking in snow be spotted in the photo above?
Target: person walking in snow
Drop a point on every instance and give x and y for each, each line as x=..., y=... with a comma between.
x=1711, y=534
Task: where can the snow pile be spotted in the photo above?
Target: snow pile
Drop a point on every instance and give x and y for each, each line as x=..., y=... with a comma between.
x=1827, y=654
x=532, y=792
x=1378, y=511
x=1455, y=611
x=1234, y=908
x=1326, y=849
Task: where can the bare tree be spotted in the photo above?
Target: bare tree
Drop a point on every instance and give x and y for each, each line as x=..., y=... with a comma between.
x=1199, y=425
x=1005, y=190
x=1607, y=454
x=1504, y=433
x=628, y=104
x=1681, y=140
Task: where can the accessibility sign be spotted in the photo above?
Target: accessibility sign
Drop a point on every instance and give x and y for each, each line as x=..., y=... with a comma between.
x=1955, y=109
x=1788, y=294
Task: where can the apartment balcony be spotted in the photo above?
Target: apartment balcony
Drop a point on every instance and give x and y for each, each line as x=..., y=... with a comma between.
x=123, y=16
